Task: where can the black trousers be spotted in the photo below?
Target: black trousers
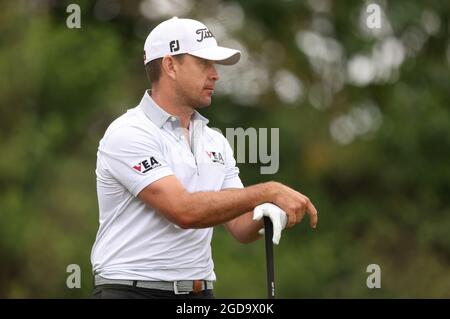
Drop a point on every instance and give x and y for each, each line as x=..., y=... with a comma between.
x=130, y=292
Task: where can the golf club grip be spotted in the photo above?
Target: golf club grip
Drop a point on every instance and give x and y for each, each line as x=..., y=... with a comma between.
x=268, y=229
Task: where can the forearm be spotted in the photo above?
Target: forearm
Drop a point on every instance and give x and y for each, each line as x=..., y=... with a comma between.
x=244, y=228
x=206, y=209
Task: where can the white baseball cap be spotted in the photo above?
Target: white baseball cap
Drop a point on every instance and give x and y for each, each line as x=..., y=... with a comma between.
x=177, y=36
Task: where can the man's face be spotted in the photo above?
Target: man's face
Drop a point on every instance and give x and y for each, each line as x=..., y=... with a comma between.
x=196, y=81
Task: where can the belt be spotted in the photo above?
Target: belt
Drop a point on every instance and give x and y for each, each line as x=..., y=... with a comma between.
x=179, y=287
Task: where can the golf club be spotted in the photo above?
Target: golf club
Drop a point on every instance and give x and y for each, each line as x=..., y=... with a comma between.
x=268, y=229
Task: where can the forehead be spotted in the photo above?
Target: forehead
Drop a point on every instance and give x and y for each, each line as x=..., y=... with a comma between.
x=198, y=60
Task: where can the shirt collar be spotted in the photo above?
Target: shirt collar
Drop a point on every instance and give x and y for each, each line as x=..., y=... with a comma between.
x=158, y=116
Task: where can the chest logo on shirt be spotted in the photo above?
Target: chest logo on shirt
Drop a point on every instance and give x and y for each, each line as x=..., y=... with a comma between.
x=147, y=165
x=216, y=157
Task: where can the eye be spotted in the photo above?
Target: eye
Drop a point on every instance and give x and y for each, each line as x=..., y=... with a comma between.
x=204, y=62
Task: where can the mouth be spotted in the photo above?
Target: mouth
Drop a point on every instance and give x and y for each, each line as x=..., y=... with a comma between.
x=209, y=91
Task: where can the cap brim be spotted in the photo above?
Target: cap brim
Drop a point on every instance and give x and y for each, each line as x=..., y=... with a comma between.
x=220, y=55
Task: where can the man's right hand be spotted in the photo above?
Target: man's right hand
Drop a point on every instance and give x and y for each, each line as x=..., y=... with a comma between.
x=294, y=204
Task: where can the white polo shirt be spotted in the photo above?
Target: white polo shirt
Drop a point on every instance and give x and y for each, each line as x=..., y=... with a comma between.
x=134, y=241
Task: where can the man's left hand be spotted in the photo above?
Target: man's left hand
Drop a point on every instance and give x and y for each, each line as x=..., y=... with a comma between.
x=276, y=215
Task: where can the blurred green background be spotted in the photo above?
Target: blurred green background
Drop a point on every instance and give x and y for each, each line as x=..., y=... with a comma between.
x=364, y=125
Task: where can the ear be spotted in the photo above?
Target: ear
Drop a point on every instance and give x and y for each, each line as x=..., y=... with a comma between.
x=169, y=67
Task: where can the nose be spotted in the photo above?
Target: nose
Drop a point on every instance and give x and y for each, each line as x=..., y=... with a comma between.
x=214, y=75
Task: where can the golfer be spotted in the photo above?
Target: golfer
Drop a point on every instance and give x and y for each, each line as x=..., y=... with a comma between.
x=165, y=179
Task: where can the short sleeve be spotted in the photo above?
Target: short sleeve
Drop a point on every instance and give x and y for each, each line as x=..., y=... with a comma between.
x=232, y=179
x=134, y=157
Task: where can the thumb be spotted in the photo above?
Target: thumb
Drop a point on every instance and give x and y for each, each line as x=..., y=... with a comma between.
x=276, y=230
x=276, y=235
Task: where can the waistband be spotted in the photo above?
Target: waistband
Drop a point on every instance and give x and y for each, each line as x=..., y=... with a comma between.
x=178, y=286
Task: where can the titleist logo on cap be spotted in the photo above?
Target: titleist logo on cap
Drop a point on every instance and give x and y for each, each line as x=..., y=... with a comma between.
x=204, y=34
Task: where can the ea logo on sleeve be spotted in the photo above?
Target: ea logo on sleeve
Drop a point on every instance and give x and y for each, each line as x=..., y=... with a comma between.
x=146, y=165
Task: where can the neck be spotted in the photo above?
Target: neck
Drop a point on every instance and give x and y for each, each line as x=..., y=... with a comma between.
x=173, y=106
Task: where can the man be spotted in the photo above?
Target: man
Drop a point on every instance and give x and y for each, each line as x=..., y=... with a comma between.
x=164, y=178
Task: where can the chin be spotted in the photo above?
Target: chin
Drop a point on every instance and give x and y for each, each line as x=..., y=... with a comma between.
x=204, y=103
